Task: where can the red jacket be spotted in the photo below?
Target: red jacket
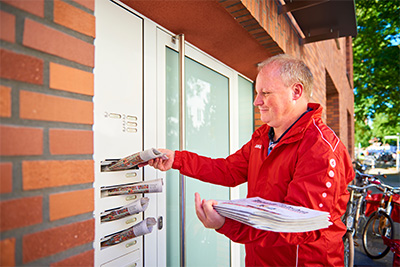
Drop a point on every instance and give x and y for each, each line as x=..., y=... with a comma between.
x=309, y=167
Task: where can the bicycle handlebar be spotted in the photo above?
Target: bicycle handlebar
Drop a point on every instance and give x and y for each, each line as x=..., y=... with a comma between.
x=374, y=176
x=374, y=182
x=395, y=190
x=354, y=187
x=377, y=184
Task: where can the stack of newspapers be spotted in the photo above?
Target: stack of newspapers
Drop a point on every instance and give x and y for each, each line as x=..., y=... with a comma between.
x=273, y=216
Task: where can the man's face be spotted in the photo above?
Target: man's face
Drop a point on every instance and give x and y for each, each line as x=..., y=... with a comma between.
x=273, y=99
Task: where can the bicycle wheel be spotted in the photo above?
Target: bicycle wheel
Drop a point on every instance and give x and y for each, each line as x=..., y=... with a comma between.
x=379, y=224
x=348, y=249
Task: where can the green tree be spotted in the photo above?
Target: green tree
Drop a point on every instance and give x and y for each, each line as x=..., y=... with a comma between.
x=377, y=62
x=362, y=133
x=379, y=127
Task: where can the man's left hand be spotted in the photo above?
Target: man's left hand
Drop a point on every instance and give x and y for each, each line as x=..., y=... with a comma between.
x=207, y=214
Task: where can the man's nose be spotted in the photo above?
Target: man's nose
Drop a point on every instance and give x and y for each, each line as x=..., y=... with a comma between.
x=258, y=101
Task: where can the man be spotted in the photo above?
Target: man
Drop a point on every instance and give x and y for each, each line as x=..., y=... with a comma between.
x=294, y=158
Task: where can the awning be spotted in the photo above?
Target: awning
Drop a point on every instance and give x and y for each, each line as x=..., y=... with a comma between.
x=321, y=20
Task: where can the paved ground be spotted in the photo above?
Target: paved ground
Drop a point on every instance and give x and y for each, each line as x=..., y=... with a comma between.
x=361, y=259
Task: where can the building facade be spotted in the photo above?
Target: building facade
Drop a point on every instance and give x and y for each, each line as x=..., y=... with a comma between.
x=55, y=81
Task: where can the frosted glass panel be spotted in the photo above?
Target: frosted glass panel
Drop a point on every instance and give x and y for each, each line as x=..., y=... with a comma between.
x=246, y=118
x=172, y=138
x=207, y=133
x=246, y=110
x=246, y=128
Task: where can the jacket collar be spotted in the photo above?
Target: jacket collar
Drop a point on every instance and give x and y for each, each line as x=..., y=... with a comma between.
x=297, y=130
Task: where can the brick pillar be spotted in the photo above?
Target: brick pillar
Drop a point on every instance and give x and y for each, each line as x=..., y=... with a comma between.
x=46, y=138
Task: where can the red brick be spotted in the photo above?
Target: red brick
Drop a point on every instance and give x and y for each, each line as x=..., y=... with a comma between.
x=37, y=106
x=69, y=204
x=20, y=67
x=52, y=41
x=35, y=7
x=67, y=142
x=7, y=27
x=71, y=79
x=5, y=177
x=74, y=18
x=86, y=3
x=55, y=240
x=83, y=259
x=7, y=252
x=52, y=173
x=16, y=141
x=5, y=101
x=21, y=212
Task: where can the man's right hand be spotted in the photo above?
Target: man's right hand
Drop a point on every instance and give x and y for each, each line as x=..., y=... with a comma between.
x=163, y=165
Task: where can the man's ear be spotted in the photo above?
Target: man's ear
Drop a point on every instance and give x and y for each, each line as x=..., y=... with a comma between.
x=297, y=90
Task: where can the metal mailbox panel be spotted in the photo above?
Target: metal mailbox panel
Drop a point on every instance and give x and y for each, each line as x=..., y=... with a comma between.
x=107, y=228
x=107, y=203
x=131, y=259
x=118, y=122
x=124, y=253
x=118, y=177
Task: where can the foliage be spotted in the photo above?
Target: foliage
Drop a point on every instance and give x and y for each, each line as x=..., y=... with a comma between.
x=362, y=133
x=377, y=64
x=378, y=129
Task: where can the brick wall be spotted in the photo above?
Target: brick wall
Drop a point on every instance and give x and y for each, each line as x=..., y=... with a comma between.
x=46, y=144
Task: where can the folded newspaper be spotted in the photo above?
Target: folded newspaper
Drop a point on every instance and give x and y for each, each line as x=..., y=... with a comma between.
x=132, y=161
x=273, y=216
x=135, y=207
x=153, y=186
x=142, y=228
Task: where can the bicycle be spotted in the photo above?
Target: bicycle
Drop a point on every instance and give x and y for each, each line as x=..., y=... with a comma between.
x=363, y=179
x=357, y=165
x=354, y=217
x=380, y=224
x=354, y=211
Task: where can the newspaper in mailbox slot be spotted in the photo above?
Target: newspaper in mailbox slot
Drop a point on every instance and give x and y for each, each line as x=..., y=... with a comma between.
x=132, y=161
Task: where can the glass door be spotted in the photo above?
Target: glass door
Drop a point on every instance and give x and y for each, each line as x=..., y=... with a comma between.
x=207, y=131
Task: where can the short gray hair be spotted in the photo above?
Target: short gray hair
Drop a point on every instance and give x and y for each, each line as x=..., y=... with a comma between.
x=291, y=70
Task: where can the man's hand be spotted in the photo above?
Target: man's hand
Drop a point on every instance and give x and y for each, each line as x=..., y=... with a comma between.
x=163, y=165
x=207, y=214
